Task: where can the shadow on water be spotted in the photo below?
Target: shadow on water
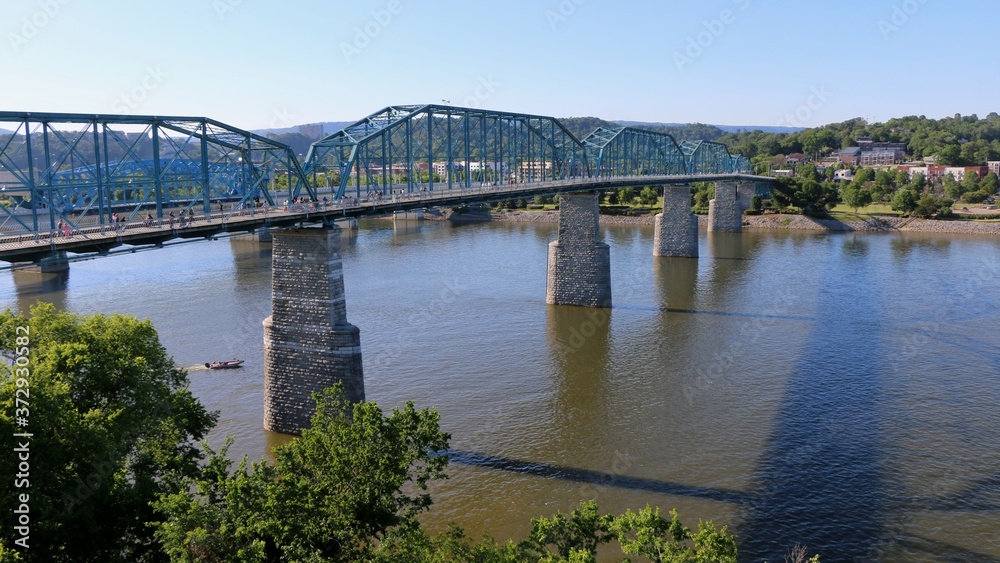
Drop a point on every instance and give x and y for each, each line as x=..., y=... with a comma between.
x=601, y=478
x=34, y=287
x=820, y=481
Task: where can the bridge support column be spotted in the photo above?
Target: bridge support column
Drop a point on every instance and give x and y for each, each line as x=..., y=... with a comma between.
x=579, y=263
x=724, y=212
x=308, y=343
x=744, y=194
x=676, y=228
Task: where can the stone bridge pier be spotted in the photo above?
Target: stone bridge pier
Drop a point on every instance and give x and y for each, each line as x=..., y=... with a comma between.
x=677, y=227
x=308, y=343
x=725, y=212
x=579, y=263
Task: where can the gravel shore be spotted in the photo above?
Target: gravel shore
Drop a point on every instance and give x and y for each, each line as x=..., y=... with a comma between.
x=787, y=222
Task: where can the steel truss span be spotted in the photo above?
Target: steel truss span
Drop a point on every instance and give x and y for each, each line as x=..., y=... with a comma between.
x=628, y=151
x=80, y=170
x=432, y=147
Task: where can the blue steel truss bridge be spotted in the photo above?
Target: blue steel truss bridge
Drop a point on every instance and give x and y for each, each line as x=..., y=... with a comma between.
x=93, y=185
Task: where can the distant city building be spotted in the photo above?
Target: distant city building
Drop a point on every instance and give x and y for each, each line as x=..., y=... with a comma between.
x=796, y=158
x=881, y=157
x=851, y=156
x=783, y=173
x=994, y=166
x=866, y=144
x=871, y=153
x=937, y=173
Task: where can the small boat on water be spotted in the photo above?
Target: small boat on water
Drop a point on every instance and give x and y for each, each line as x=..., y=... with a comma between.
x=224, y=364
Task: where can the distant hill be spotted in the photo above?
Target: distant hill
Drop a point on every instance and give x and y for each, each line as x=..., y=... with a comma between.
x=583, y=126
x=6, y=132
x=724, y=128
x=328, y=127
x=764, y=128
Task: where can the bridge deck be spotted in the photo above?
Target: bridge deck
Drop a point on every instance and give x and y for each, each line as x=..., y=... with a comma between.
x=99, y=240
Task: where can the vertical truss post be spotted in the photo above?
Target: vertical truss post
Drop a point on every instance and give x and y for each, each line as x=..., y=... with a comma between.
x=430, y=151
x=451, y=156
x=98, y=176
x=206, y=203
x=157, y=179
x=386, y=185
x=409, y=156
x=105, y=195
x=468, y=156
x=32, y=189
x=48, y=175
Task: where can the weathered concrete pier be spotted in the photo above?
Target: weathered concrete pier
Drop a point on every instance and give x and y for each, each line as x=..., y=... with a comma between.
x=579, y=271
x=308, y=343
x=676, y=227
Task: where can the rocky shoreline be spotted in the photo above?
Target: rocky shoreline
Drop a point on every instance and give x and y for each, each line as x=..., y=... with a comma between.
x=788, y=222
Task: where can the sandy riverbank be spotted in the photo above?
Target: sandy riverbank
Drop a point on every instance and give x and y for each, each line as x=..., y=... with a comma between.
x=790, y=222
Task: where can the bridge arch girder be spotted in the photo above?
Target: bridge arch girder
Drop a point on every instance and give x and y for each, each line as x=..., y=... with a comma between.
x=628, y=151
x=82, y=167
x=432, y=147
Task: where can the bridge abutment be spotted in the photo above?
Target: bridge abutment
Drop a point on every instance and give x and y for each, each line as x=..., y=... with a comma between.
x=579, y=270
x=676, y=228
x=724, y=212
x=308, y=343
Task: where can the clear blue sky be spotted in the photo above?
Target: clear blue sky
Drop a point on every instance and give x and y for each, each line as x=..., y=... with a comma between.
x=261, y=63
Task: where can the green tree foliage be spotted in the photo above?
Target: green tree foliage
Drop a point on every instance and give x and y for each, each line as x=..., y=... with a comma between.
x=808, y=195
x=904, y=200
x=111, y=417
x=928, y=206
x=855, y=196
x=990, y=183
x=626, y=196
x=977, y=196
x=864, y=175
x=954, y=190
x=574, y=538
x=756, y=205
x=332, y=495
x=957, y=141
x=648, y=196
x=918, y=183
x=702, y=193
x=809, y=172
